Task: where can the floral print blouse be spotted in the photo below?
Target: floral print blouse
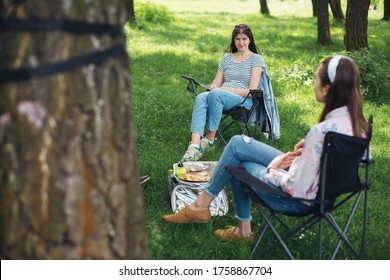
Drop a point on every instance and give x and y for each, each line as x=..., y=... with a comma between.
x=301, y=179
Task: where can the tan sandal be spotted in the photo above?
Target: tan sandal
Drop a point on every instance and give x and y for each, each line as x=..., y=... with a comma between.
x=229, y=234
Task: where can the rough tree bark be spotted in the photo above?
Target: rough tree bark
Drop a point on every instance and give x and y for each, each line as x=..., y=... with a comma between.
x=69, y=180
x=337, y=11
x=323, y=29
x=264, y=7
x=356, y=25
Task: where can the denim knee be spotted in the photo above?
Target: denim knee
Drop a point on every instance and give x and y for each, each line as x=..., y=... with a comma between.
x=201, y=98
x=236, y=139
x=214, y=95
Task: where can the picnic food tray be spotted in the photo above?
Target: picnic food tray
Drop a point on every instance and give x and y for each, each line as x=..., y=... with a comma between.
x=197, y=171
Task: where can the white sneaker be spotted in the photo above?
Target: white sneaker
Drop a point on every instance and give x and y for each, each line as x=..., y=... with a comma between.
x=206, y=145
x=193, y=153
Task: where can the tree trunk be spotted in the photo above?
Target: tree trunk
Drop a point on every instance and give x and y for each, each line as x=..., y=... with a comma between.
x=264, y=7
x=315, y=7
x=337, y=11
x=323, y=29
x=356, y=25
x=386, y=12
x=68, y=168
x=132, y=17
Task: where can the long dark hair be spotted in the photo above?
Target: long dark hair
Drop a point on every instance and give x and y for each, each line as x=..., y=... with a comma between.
x=344, y=91
x=244, y=29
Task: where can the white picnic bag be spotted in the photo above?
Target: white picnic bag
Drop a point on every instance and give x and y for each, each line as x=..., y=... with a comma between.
x=184, y=192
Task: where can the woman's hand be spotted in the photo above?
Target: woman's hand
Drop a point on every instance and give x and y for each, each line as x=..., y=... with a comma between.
x=226, y=88
x=283, y=161
x=298, y=147
x=241, y=92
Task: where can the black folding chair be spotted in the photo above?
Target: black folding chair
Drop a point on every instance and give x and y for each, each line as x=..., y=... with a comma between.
x=339, y=184
x=239, y=116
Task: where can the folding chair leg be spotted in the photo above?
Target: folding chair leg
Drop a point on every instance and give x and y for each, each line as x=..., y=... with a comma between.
x=280, y=239
x=364, y=224
x=220, y=136
x=320, y=230
x=262, y=232
x=242, y=124
x=281, y=222
x=346, y=227
x=342, y=237
x=247, y=129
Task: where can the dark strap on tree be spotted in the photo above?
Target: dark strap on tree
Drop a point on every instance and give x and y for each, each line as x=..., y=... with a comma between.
x=71, y=26
x=77, y=27
x=63, y=66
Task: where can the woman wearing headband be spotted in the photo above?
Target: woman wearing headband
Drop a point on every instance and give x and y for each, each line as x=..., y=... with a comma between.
x=337, y=85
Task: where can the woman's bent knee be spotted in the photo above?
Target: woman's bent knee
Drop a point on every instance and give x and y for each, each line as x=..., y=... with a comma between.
x=214, y=96
x=235, y=140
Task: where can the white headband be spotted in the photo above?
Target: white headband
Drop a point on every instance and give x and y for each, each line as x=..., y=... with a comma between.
x=332, y=66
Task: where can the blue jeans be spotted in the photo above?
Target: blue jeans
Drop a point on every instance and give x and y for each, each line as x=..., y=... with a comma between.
x=255, y=157
x=209, y=106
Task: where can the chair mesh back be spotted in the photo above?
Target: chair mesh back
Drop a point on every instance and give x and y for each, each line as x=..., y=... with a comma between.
x=340, y=161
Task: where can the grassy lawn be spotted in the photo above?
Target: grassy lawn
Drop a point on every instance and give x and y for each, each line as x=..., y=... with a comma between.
x=192, y=44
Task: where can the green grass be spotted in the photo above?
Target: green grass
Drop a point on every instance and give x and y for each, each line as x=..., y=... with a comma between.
x=193, y=44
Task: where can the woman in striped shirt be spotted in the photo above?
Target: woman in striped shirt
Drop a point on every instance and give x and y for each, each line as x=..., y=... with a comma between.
x=239, y=71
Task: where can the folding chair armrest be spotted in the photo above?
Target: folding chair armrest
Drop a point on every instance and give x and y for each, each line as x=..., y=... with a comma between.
x=249, y=94
x=240, y=173
x=245, y=98
x=256, y=93
x=192, y=80
x=193, y=84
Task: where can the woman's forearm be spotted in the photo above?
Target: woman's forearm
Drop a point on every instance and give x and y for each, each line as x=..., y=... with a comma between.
x=242, y=92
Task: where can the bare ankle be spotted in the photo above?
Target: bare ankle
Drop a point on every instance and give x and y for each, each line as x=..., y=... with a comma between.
x=245, y=234
x=202, y=202
x=195, y=207
x=245, y=229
